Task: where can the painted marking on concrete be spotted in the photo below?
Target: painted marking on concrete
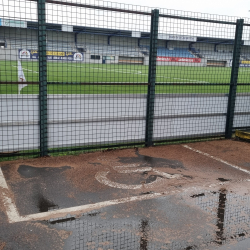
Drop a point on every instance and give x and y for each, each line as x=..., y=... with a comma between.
x=137, y=170
x=89, y=207
x=14, y=216
x=166, y=175
x=129, y=169
x=102, y=178
x=9, y=205
x=86, y=208
x=217, y=159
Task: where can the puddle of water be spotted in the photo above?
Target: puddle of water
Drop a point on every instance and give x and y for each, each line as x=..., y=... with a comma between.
x=31, y=172
x=144, y=228
x=152, y=178
x=229, y=214
x=46, y=189
x=197, y=195
x=149, y=161
x=241, y=245
x=44, y=205
x=149, y=192
x=223, y=180
x=221, y=217
x=62, y=220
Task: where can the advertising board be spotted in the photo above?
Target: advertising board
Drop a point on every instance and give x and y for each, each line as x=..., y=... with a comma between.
x=178, y=59
x=51, y=55
x=13, y=23
x=243, y=63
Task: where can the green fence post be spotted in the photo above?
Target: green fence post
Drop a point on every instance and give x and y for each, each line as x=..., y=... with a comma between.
x=151, y=78
x=234, y=78
x=42, y=76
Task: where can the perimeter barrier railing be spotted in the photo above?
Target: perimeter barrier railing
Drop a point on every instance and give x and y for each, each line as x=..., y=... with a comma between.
x=80, y=77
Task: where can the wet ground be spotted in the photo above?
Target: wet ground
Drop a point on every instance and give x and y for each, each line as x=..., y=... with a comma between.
x=194, y=196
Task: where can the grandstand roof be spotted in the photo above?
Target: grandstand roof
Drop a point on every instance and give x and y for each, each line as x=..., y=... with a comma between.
x=121, y=33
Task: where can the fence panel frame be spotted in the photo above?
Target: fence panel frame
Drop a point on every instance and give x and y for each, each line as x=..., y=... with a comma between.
x=234, y=78
x=41, y=12
x=151, y=114
x=151, y=77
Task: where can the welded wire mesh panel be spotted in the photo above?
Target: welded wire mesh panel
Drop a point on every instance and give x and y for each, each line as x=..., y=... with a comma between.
x=242, y=115
x=97, y=85
x=78, y=76
x=193, y=76
x=19, y=112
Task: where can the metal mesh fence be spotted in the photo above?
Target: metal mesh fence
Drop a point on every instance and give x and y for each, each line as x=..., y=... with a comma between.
x=79, y=76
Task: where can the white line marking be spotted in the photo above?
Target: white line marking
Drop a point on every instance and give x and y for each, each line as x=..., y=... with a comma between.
x=166, y=175
x=133, y=168
x=121, y=71
x=10, y=206
x=102, y=178
x=217, y=159
x=27, y=69
x=31, y=70
x=129, y=169
x=86, y=208
x=115, y=70
x=127, y=72
x=140, y=73
x=14, y=216
x=126, y=166
x=89, y=207
x=182, y=79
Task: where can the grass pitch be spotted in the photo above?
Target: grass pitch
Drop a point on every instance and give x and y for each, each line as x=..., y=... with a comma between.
x=107, y=73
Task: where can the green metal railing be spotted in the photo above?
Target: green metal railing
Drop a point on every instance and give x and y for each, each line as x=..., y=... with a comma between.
x=150, y=85
x=234, y=78
x=151, y=78
x=41, y=10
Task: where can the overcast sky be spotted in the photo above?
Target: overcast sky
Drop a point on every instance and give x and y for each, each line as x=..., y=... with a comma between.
x=230, y=9
x=222, y=7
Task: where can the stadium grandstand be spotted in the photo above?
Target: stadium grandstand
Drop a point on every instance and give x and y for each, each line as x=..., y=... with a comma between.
x=100, y=45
